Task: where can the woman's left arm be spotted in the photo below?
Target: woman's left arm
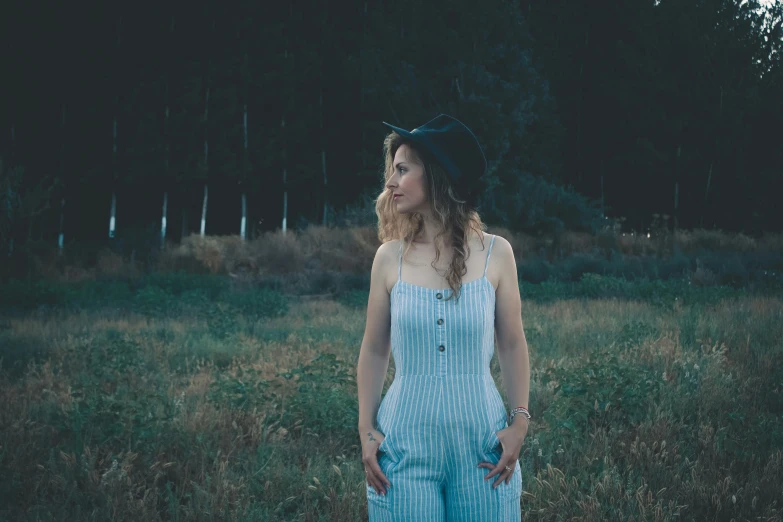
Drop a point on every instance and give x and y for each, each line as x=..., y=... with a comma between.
x=512, y=346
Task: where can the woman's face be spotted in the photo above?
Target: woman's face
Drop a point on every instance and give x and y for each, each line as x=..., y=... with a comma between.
x=408, y=181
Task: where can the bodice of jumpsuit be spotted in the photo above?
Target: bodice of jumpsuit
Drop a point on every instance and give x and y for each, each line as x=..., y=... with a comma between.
x=442, y=389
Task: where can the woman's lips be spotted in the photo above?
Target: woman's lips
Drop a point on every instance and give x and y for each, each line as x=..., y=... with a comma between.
x=397, y=196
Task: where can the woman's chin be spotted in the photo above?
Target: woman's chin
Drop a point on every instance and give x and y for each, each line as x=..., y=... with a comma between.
x=404, y=208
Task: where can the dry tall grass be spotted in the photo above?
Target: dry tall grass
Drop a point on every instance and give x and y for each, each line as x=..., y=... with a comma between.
x=204, y=460
x=351, y=250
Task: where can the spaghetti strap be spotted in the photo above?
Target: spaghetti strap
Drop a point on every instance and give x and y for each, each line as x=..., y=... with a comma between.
x=399, y=263
x=491, y=242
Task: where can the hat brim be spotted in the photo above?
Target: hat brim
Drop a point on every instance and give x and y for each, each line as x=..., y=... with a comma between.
x=407, y=134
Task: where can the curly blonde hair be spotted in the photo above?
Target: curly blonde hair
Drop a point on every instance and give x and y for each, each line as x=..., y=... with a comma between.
x=456, y=217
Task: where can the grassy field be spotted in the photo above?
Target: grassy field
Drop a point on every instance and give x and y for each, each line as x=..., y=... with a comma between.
x=188, y=406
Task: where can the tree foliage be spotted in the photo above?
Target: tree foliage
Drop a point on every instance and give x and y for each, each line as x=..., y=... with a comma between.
x=585, y=110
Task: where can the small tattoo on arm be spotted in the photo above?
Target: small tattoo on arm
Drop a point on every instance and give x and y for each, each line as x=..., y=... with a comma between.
x=371, y=437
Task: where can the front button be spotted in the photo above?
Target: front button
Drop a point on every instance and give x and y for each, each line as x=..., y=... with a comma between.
x=438, y=295
x=441, y=347
x=440, y=321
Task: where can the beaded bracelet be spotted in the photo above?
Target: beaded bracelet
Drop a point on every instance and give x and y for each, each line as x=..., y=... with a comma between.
x=522, y=410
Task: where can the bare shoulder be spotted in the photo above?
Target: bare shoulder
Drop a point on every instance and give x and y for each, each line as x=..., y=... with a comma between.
x=390, y=247
x=502, y=246
x=502, y=268
x=378, y=324
x=385, y=264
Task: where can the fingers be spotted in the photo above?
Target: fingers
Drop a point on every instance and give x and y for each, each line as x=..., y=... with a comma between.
x=491, y=466
x=504, y=476
x=500, y=470
x=377, y=479
x=375, y=476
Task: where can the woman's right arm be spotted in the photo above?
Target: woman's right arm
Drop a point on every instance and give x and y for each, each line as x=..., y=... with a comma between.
x=376, y=345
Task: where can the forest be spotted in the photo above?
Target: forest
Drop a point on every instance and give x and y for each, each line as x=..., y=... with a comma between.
x=135, y=127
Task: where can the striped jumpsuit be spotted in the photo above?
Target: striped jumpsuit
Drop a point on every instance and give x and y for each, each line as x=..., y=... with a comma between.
x=442, y=411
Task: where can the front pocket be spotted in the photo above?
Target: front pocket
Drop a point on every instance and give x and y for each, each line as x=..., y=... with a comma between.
x=388, y=449
x=496, y=445
x=492, y=443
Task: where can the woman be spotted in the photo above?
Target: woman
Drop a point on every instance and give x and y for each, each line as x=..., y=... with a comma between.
x=436, y=307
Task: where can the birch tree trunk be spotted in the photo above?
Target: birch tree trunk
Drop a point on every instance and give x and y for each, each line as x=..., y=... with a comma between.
x=11, y=165
x=166, y=147
x=676, y=201
x=285, y=185
x=204, y=212
x=321, y=114
x=707, y=192
x=282, y=133
x=10, y=214
x=113, y=213
x=206, y=168
x=677, y=187
x=244, y=174
x=206, y=138
x=579, y=165
x=361, y=85
x=61, y=234
x=185, y=228
x=163, y=219
x=243, y=224
x=323, y=147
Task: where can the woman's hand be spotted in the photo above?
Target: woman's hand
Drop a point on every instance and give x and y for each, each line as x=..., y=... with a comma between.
x=371, y=440
x=511, y=438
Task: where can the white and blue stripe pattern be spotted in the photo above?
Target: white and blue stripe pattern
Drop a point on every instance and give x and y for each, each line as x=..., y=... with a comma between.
x=442, y=411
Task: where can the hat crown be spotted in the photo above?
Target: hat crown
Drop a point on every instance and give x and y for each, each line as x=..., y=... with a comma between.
x=453, y=144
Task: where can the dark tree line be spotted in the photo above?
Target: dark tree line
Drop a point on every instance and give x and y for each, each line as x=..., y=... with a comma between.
x=676, y=106
x=243, y=117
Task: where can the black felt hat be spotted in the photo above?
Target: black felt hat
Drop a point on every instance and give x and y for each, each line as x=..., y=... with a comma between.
x=455, y=147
